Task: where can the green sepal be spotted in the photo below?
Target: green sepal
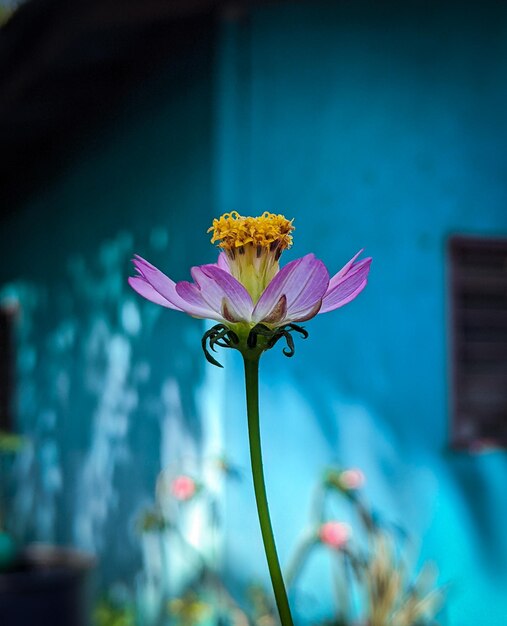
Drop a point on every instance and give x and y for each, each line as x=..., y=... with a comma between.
x=218, y=335
x=259, y=339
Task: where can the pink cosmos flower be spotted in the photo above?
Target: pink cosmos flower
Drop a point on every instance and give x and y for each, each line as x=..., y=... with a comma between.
x=183, y=488
x=335, y=534
x=246, y=286
x=352, y=479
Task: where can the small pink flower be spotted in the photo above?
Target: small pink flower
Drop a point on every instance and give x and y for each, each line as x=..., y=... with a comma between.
x=335, y=534
x=183, y=488
x=352, y=479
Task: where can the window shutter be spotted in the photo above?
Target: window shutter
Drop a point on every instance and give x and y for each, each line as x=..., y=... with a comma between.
x=479, y=341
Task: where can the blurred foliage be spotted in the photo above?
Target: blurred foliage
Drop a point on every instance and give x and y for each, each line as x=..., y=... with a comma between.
x=10, y=443
x=263, y=608
x=9, y=549
x=151, y=520
x=5, y=13
x=392, y=598
x=112, y=613
x=375, y=585
x=7, y=8
x=189, y=610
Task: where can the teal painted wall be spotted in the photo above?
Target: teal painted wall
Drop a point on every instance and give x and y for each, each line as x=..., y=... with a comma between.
x=376, y=126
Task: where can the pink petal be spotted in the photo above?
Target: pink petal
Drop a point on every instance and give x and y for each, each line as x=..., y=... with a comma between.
x=303, y=282
x=152, y=281
x=274, y=291
x=346, y=285
x=219, y=288
x=223, y=263
x=143, y=288
x=218, y=293
x=305, y=314
x=313, y=287
x=194, y=302
x=336, y=278
x=161, y=283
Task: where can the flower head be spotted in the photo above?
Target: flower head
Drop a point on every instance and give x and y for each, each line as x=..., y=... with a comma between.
x=253, y=246
x=351, y=479
x=335, y=534
x=246, y=288
x=183, y=487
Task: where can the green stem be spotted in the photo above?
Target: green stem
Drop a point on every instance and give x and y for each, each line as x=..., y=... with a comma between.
x=252, y=402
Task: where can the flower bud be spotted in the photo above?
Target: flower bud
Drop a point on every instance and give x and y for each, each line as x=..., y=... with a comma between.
x=352, y=479
x=183, y=488
x=335, y=534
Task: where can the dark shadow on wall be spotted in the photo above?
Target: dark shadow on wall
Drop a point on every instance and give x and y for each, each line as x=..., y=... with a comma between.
x=66, y=67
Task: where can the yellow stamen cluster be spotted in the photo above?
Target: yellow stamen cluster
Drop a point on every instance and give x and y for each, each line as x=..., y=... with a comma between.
x=267, y=231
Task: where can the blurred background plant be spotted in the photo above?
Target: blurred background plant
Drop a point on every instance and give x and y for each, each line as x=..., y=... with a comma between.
x=9, y=445
x=374, y=582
